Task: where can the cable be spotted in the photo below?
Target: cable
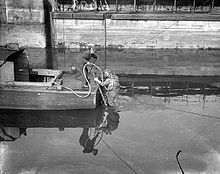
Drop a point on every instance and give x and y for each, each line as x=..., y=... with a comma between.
x=188, y=112
x=115, y=153
x=177, y=159
x=118, y=156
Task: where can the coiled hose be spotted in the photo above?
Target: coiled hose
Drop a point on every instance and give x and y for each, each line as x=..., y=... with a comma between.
x=84, y=73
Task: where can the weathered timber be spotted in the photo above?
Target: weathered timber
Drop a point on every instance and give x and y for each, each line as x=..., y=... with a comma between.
x=138, y=16
x=14, y=97
x=71, y=15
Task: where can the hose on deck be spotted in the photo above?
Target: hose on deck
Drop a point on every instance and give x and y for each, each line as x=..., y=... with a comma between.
x=89, y=85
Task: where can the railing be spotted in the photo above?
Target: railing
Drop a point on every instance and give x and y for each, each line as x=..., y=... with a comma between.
x=174, y=6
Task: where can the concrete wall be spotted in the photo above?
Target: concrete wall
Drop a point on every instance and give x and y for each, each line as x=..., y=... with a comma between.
x=138, y=34
x=23, y=23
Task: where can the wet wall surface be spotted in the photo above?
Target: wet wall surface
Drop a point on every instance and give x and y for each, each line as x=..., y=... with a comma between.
x=134, y=61
x=143, y=134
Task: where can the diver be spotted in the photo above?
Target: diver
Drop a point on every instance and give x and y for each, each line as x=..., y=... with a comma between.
x=111, y=85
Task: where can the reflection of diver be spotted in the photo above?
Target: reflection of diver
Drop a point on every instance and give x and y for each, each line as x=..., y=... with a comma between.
x=110, y=120
x=88, y=143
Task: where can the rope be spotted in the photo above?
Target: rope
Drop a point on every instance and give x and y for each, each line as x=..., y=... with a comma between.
x=123, y=161
x=188, y=112
x=115, y=153
x=177, y=159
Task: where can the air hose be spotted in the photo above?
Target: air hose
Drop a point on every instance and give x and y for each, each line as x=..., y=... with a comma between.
x=89, y=85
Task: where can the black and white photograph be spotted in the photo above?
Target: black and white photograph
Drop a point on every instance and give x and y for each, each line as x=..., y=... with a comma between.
x=109, y=86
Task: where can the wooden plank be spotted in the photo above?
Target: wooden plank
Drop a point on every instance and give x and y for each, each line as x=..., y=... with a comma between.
x=143, y=16
x=70, y=15
x=45, y=72
x=32, y=83
x=166, y=17
x=62, y=15
x=45, y=100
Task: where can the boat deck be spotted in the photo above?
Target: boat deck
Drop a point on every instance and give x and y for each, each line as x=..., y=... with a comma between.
x=55, y=97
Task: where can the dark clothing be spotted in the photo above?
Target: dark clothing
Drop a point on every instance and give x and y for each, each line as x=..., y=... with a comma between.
x=86, y=56
x=85, y=141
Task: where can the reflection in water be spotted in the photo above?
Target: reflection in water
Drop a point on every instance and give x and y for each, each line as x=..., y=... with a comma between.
x=168, y=86
x=11, y=133
x=14, y=124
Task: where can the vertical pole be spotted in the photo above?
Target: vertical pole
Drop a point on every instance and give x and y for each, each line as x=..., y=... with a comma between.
x=135, y=5
x=194, y=6
x=154, y=4
x=116, y=4
x=105, y=37
x=213, y=3
x=55, y=5
x=175, y=7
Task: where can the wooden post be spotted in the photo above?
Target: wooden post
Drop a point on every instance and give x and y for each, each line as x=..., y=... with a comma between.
x=116, y=4
x=194, y=6
x=175, y=7
x=135, y=5
x=154, y=4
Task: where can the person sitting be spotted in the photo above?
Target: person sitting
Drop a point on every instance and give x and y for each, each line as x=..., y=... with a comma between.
x=112, y=86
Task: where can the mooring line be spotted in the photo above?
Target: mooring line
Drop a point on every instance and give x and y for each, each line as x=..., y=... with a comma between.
x=188, y=112
x=115, y=153
x=118, y=156
x=177, y=159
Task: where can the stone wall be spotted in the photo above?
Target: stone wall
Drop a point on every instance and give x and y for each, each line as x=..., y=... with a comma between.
x=23, y=23
x=138, y=34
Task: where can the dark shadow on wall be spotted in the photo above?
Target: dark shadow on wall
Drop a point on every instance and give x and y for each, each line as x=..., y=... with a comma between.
x=47, y=20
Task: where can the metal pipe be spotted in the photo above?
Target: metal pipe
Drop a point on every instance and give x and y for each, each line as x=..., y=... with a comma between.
x=213, y=3
x=116, y=4
x=194, y=6
x=135, y=5
x=105, y=38
x=175, y=7
x=154, y=4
